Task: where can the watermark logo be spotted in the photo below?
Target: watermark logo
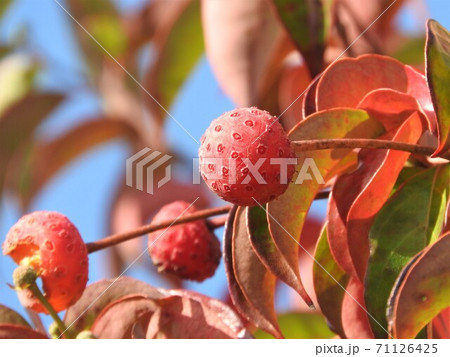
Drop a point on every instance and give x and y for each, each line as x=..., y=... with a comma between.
x=143, y=165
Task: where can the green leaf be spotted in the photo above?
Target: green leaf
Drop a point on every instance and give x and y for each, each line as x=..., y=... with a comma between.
x=268, y=253
x=178, y=55
x=422, y=290
x=4, y=5
x=437, y=52
x=305, y=22
x=408, y=222
x=297, y=325
x=327, y=276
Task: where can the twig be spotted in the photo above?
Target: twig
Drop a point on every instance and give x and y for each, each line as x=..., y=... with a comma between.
x=323, y=144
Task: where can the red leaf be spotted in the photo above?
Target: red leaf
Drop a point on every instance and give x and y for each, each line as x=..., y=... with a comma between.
x=118, y=318
x=8, y=331
x=355, y=320
x=238, y=298
x=256, y=282
x=9, y=316
x=190, y=315
x=349, y=80
x=440, y=325
x=288, y=212
x=97, y=296
x=358, y=196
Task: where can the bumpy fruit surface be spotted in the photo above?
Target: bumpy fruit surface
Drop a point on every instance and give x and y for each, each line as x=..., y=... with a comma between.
x=50, y=244
x=239, y=139
x=190, y=251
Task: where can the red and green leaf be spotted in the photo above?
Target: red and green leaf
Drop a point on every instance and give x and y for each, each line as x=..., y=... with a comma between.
x=408, y=222
x=305, y=23
x=358, y=196
x=422, y=290
x=9, y=316
x=287, y=213
x=329, y=284
x=437, y=52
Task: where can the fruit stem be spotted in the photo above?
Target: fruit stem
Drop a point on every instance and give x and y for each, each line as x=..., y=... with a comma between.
x=43, y=300
x=115, y=239
x=323, y=144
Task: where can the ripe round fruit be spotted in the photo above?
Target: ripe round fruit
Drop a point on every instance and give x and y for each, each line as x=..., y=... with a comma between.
x=190, y=251
x=50, y=244
x=246, y=157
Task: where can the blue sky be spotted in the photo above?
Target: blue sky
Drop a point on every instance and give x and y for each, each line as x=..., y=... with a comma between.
x=79, y=191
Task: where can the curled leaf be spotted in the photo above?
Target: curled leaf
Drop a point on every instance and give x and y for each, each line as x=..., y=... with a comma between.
x=256, y=282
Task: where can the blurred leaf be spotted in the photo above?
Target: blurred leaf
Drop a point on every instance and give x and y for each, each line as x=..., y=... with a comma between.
x=414, y=217
x=304, y=20
x=19, y=122
x=297, y=325
x=410, y=50
x=191, y=315
x=256, y=282
x=422, y=290
x=4, y=5
x=355, y=320
x=108, y=31
x=270, y=256
x=117, y=319
x=9, y=316
x=16, y=78
x=358, y=196
x=293, y=82
x=327, y=277
x=437, y=52
x=10, y=331
x=288, y=212
x=309, y=99
x=40, y=161
x=97, y=296
x=240, y=37
x=177, y=56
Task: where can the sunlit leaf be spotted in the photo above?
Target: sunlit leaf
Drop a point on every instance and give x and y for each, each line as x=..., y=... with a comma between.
x=346, y=82
x=407, y=223
x=190, y=315
x=329, y=284
x=288, y=212
x=421, y=291
x=256, y=282
x=437, y=53
x=298, y=325
x=9, y=316
x=358, y=196
x=305, y=23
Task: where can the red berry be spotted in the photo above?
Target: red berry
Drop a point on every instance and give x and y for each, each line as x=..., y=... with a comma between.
x=190, y=251
x=239, y=139
x=52, y=246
